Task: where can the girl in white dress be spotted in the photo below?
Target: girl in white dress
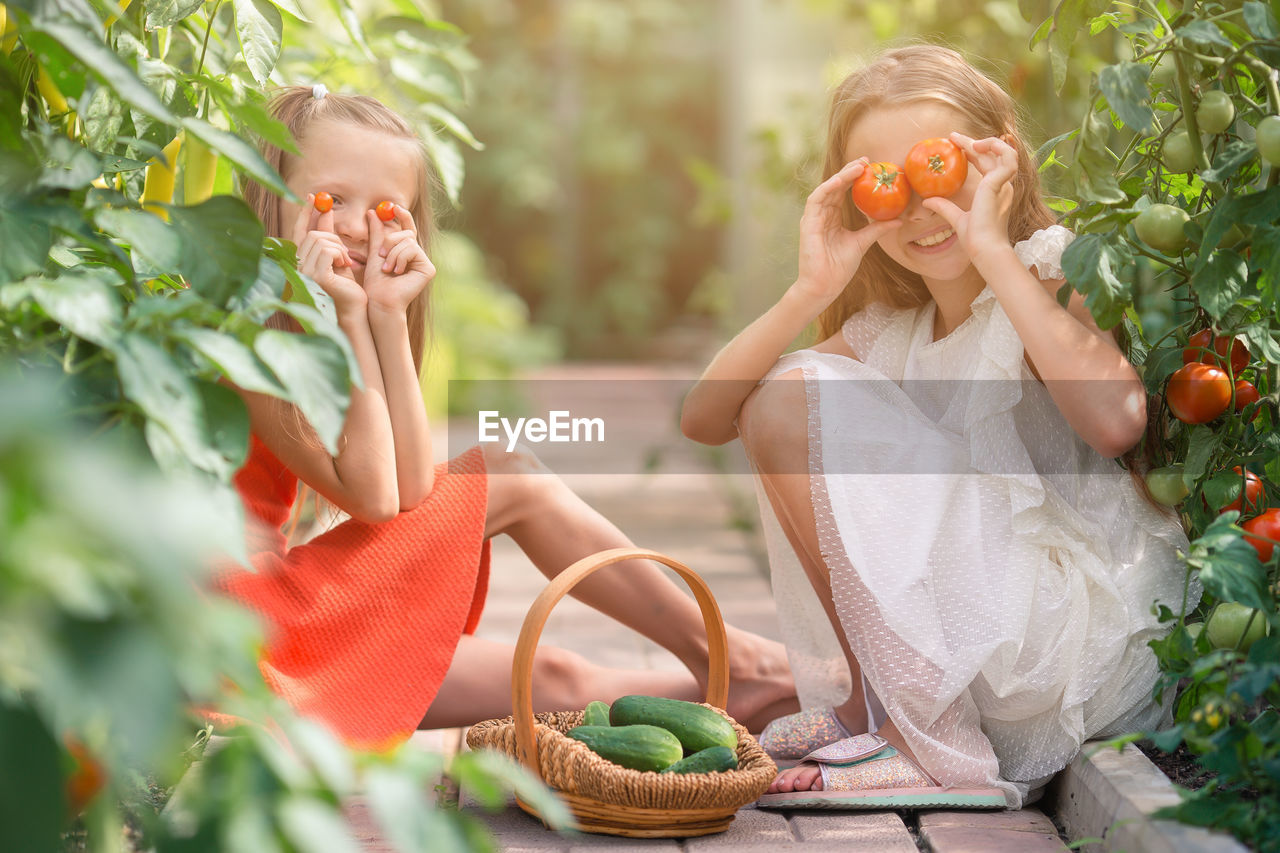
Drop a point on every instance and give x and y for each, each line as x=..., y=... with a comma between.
x=961, y=565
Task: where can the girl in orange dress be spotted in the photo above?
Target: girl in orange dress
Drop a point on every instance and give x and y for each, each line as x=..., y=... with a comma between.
x=370, y=623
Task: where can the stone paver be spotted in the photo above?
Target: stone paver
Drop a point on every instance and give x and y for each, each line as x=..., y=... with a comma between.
x=872, y=832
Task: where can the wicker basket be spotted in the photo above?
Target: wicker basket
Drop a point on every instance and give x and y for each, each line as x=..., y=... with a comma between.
x=604, y=797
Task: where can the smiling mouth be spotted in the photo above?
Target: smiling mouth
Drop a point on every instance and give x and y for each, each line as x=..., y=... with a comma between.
x=934, y=239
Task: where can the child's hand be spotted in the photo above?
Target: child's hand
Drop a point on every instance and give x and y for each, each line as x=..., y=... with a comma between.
x=323, y=257
x=397, y=269
x=829, y=252
x=986, y=223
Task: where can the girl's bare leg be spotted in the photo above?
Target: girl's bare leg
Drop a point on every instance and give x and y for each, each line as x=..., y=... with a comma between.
x=478, y=684
x=774, y=430
x=556, y=528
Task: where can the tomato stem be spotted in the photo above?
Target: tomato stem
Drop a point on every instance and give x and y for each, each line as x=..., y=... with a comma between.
x=213, y=13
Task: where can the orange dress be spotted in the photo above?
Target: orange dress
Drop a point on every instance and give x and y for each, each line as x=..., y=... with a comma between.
x=363, y=620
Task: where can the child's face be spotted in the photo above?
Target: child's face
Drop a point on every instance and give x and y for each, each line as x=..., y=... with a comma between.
x=359, y=167
x=886, y=134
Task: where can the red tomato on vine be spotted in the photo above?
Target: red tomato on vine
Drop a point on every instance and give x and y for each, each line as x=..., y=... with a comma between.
x=1246, y=394
x=1198, y=393
x=881, y=191
x=86, y=779
x=936, y=167
x=1199, y=345
x=1262, y=528
x=1252, y=492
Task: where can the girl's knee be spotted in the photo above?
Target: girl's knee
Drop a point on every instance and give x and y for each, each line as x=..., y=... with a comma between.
x=774, y=425
x=561, y=679
x=518, y=461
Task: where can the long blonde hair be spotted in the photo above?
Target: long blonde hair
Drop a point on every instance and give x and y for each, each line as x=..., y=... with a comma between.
x=298, y=109
x=906, y=75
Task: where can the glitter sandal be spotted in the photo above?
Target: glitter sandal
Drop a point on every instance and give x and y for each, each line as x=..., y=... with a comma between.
x=797, y=735
x=865, y=772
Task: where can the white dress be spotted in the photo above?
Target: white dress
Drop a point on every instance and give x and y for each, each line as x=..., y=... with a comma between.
x=994, y=575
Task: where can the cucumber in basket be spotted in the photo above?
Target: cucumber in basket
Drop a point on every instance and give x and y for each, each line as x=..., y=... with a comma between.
x=596, y=714
x=713, y=759
x=696, y=726
x=638, y=747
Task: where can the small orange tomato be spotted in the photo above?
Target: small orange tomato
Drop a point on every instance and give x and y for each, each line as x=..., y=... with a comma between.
x=386, y=210
x=324, y=202
x=86, y=779
x=1246, y=393
x=881, y=191
x=936, y=167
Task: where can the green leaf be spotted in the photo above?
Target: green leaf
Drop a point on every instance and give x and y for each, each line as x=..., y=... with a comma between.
x=68, y=166
x=314, y=371
x=1124, y=85
x=227, y=424
x=148, y=236
x=166, y=394
x=1095, y=166
x=82, y=300
x=1159, y=366
x=1092, y=264
x=451, y=123
x=106, y=66
x=1260, y=20
x=292, y=7
x=1229, y=161
x=26, y=239
x=1200, y=449
x=166, y=13
x=351, y=23
x=254, y=116
x=1219, y=281
x=244, y=155
x=449, y=165
x=221, y=241
x=258, y=26
x=236, y=360
x=430, y=75
x=1201, y=31
x=1229, y=566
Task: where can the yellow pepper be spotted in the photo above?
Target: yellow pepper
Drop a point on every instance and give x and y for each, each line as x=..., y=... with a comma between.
x=157, y=187
x=8, y=31
x=124, y=7
x=199, y=168
x=53, y=98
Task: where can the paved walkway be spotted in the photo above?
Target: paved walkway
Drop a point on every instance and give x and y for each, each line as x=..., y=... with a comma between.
x=668, y=495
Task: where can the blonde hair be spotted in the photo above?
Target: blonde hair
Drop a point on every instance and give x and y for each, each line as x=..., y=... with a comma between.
x=298, y=108
x=914, y=74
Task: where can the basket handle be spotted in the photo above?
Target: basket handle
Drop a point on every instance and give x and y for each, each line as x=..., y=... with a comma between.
x=527, y=644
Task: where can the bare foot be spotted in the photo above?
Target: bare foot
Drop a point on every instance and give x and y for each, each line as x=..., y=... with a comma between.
x=761, y=686
x=807, y=777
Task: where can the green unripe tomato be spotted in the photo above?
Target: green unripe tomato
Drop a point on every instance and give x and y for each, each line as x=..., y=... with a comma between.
x=1166, y=485
x=1194, y=629
x=1160, y=227
x=1227, y=623
x=1176, y=153
x=1216, y=112
x=1268, y=139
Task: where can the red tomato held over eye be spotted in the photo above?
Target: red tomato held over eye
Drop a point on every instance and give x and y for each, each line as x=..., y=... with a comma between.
x=324, y=202
x=1198, y=393
x=1265, y=526
x=881, y=191
x=936, y=167
x=1252, y=492
x=86, y=780
x=386, y=211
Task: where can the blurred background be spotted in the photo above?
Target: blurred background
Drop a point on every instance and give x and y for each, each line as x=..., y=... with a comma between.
x=645, y=164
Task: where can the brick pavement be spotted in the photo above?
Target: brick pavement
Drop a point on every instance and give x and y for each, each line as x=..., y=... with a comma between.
x=681, y=506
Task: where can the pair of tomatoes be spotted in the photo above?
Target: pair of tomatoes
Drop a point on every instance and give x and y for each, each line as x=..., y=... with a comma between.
x=1202, y=388
x=386, y=210
x=934, y=167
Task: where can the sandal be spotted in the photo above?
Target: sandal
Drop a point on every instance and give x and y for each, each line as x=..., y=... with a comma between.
x=865, y=772
x=797, y=735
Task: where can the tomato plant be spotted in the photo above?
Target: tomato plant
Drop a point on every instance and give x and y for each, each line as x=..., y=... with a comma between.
x=1205, y=347
x=936, y=167
x=881, y=191
x=1198, y=393
x=385, y=210
x=1160, y=226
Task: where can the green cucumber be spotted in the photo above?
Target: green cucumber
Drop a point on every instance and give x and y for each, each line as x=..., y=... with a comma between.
x=597, y=714
x=697, y=726
x=713, y=759
x=637, y=747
